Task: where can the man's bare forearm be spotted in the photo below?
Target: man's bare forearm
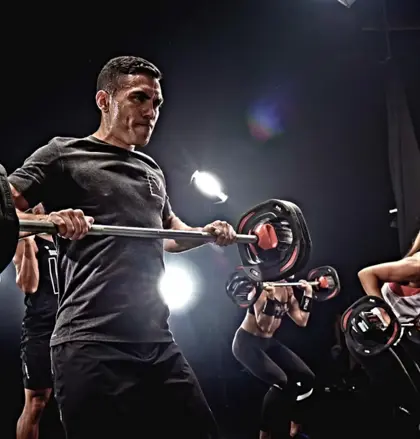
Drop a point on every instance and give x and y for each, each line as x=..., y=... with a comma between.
x=182, y=245
x=31, y=216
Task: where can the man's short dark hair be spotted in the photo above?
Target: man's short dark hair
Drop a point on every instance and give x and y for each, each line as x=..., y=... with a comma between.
x=124, y=65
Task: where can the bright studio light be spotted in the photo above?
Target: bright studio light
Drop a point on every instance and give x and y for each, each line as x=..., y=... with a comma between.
x=347, y=3
x=177, y=287
x=209, y=185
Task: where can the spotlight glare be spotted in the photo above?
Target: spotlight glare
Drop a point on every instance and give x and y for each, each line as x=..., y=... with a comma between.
x=177, y=287
x=209, y=185
x=347, y=3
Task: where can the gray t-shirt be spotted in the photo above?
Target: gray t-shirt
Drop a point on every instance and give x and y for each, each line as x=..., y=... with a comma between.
x=108, y=284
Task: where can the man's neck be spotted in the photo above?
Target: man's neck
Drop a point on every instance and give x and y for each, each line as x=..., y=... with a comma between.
x=105, y=136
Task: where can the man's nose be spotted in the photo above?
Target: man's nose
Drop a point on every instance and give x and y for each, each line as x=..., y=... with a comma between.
x=149, y=112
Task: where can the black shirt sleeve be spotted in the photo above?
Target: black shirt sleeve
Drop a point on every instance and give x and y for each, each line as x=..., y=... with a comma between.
x=34, y=179
x=167, y=210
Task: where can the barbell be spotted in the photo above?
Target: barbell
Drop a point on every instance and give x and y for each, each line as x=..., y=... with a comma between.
x=244, y=292
x=325, y=281
x=273, y=239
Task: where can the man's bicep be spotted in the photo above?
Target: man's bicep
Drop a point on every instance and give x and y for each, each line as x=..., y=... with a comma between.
x=169, y=219
x=32, y=181
x=175, y=223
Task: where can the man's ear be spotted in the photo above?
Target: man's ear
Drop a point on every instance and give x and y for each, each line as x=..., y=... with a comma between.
x=102, y=101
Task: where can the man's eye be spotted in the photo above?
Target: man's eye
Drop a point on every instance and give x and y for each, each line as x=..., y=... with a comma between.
x=140, y=98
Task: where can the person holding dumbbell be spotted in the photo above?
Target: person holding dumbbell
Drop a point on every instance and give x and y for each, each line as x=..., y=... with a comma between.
x=398, y=284
x=394, y=371
x=254, y=346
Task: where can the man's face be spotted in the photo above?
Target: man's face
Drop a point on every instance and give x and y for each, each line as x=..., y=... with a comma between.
x=134, y=109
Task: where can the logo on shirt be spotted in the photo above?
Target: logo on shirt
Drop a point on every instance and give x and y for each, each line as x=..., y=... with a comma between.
x=155, y=185
x=53, y=268
x=50, y=251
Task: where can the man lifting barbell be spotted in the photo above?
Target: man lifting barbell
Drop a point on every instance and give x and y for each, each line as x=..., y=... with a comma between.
x=381, y=329
x=114, y=359
x=289, y=378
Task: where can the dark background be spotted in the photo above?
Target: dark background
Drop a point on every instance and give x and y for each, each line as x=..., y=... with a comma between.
x=316, y=76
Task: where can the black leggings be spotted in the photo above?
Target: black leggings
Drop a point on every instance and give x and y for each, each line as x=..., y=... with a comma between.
x=278, y=366
x=395, y=375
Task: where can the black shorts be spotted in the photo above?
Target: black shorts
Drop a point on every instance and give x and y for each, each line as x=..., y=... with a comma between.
x=111, y=390
x=36, y=363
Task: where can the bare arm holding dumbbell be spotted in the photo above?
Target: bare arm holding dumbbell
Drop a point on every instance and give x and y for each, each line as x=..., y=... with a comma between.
x=403, y=271
x=406, y=270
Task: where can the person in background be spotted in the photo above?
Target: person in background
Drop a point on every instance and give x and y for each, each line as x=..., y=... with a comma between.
x=291, y=381
x=37, y=276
